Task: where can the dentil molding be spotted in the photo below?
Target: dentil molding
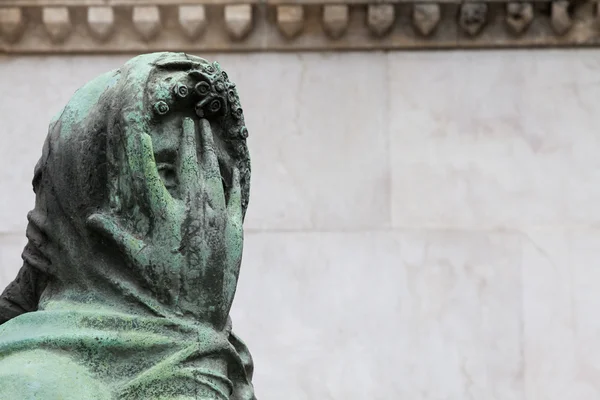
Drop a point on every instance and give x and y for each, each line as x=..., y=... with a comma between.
x=112, y=26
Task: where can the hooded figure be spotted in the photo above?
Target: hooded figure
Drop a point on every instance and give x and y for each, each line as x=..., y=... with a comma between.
x=135, y=243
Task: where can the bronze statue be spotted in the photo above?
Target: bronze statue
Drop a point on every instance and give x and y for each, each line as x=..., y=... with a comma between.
x=135, y=243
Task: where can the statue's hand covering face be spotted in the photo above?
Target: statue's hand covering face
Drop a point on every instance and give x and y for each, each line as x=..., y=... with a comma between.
x=135, y=243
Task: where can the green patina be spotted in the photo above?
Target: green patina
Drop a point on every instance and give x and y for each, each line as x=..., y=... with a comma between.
x=135, y=243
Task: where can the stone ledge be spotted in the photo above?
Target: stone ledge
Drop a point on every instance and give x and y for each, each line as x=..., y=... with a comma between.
x=115, y=26
x=131, y=3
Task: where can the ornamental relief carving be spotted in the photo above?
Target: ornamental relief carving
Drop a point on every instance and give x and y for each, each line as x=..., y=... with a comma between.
x=100, y=26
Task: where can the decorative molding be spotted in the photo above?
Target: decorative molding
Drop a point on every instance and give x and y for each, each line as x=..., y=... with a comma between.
x=101, y=22
x=519, y=16
x=238, y=20
x=12, y=23
x=192, y=19
x=57, y=22
x=146, y=21
x=381, y=18
x=134, y=26
x=335, y=19
x=561, y=17
x=473, y=17
x=290, y=20
x=426, y=17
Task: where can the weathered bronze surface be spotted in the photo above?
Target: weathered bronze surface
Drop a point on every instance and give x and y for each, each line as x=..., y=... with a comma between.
x=135, y=243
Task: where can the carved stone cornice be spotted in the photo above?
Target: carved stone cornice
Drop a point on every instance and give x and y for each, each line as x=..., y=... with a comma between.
x=113, y=26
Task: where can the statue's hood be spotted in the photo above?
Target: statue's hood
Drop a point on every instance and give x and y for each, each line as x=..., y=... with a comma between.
x=76, y=176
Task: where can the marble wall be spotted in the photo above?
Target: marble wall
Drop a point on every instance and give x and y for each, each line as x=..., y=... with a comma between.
x=422, y=225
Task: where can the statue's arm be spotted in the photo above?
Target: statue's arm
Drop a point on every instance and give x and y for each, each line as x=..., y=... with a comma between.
x=22, y=295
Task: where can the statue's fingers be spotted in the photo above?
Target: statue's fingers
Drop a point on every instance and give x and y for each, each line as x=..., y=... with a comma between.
x=234, y=205
x=234, y=230
x=188, y=167
x=210, y=167
x=141, y=160
x=109, y=228
x=234, y=242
